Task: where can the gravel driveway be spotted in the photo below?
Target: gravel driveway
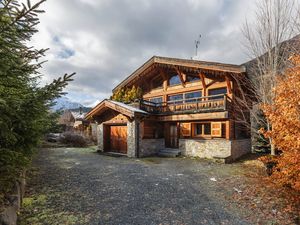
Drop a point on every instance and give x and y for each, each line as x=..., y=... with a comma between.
x=80, y=186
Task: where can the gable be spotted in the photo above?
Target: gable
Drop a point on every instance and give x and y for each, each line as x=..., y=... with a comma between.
x=158, y=66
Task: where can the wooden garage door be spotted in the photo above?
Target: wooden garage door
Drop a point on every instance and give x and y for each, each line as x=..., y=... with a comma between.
x=118, y=139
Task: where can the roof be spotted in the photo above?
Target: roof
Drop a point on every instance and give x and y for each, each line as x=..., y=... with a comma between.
x=78, y=115
x=196, y=64
x=133, y=109
x=117, y=106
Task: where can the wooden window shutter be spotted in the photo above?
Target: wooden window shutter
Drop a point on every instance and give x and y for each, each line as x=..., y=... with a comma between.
x=216, y=129
x=185, y=129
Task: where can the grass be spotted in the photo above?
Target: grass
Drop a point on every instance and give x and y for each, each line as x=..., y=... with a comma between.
x=36, y=210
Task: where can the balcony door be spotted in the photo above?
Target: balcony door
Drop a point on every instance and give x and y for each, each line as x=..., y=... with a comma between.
x=171, y=136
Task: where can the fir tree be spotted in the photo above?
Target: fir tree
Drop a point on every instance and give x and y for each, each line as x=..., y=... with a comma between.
x=24, y=105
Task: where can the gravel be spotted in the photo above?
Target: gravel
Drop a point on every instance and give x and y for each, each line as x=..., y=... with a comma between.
x=84, y=187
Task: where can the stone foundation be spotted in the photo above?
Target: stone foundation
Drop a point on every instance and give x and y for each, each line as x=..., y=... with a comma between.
x=215, y=148
x=205, y=148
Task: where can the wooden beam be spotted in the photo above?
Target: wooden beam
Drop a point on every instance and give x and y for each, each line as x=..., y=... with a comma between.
x=211, y=83
x=191, y=117
x=228, y=84
x=181, y=76
x=165, y=79
x=202, y=77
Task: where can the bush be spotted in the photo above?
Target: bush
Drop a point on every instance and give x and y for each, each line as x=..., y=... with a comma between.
x=73, y=140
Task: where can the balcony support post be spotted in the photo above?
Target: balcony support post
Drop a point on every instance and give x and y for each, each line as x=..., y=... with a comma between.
x=225, y=102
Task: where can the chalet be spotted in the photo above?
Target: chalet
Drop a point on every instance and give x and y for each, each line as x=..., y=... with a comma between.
x=72, y=120
x=187, y=108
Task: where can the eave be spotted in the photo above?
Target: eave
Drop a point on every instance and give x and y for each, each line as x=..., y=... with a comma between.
x=122, y=108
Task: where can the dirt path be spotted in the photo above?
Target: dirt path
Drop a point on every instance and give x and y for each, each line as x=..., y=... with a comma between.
x=79, y=186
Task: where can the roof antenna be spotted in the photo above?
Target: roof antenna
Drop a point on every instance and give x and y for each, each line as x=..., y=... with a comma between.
x=197, y=43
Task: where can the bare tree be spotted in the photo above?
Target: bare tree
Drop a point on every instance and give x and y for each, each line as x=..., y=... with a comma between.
x=268, y=41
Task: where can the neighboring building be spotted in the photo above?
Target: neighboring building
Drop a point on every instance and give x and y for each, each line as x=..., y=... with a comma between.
x=187, y=107
x=67, y=120
x=72, y=120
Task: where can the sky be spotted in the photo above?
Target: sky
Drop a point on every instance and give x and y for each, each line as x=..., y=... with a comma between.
x=104, y=41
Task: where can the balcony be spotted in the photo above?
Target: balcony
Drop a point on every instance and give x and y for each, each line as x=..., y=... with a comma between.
x=213, y=103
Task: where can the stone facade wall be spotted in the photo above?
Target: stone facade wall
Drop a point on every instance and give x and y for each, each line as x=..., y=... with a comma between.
x=100, y=137
x=240, y=147
x=148, y=147
x=215, y=148
x=94, y=131
x=132, y=141
x=205, y=148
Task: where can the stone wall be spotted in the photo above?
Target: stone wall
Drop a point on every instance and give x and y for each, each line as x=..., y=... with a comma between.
x=215, y=148
x=100, y=137
x=240, y=147
x=132, y=141
x=205, y=148
x=94, y=131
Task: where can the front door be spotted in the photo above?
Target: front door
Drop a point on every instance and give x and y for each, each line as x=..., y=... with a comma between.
x=171, y=140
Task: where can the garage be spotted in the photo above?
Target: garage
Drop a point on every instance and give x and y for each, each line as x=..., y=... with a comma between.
x=117, y=139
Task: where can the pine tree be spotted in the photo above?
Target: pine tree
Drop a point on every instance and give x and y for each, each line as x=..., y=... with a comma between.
x=24, y=105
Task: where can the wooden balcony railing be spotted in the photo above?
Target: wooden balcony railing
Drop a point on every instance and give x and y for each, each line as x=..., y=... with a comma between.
x=202, y=104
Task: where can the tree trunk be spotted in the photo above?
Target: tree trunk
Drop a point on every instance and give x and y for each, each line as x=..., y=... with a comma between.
x=273, y=150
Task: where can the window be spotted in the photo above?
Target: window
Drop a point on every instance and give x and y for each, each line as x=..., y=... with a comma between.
x=198, y=129
x=157, y=82
x=213, y=129
x=175, y=99
x=192, y=96
x=190, y=78
x=207, y=129
x=202, y=129
x=218, y=91
x=174, y=80
x=157, y=100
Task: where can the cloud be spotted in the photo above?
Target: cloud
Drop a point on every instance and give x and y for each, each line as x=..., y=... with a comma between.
x=103, y=41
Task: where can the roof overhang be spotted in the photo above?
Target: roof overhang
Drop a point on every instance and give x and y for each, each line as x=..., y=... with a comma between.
x=192, y=64
x=122, y=108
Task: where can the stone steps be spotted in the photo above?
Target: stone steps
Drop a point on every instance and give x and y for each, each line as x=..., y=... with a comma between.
x=169, y=152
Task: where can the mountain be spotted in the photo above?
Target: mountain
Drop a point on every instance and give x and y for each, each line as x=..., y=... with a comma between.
x=65, y=103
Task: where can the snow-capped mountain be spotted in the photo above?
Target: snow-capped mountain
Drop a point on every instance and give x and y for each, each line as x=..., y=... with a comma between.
x=65, y=103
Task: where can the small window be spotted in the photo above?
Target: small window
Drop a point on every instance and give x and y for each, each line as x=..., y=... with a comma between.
x=157, y=100
x=202, y=129
x=207, y=129
x=198, y=129
x=192, y=96
x=175, y=99
x=218, y=91
x=157, y=82
x=174, y=80
x=213, y=129
x=190, y=78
